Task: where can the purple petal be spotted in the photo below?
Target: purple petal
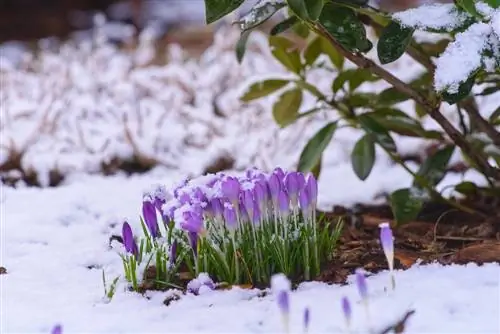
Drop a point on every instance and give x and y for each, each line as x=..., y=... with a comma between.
x=307, y=317
x=274, y=185
x=230, y=217
x=149, y=215
x=291, y=183
x=304, y=202
x=128, y=240
x=283, y=301
x=231, y=188
x=283, y=202
x=248, y=201
x=312, y=189
x=346, y=308
x=386, y=238
x=361, y=284
x=280, y=173
x=57, y=329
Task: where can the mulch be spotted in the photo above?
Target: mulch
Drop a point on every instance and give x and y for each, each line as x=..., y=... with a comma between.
x=441, y=234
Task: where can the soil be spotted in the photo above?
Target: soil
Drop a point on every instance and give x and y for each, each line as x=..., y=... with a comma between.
x=441, y=234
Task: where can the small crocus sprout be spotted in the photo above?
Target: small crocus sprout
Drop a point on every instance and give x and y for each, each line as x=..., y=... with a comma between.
x=307, y=319
x=346, y=309
x=387, y=242
x=128, y=240
x=361, y=284
x=281, y=285
x=149, y=215
x=57, y=329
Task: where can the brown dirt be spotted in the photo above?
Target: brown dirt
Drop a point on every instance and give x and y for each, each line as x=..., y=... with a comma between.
x=3, y=271
x=439, y=235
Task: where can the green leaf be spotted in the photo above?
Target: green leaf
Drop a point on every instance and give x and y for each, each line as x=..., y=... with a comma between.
x=355, y=77
x=215, y=9
x=463, y=91
x=363, y=157
x=312, y=152
x=393, y=42
x=469, y=6
x=314, y=8
x=357, y=3
x=259, y=14
x=399, y=122
x=298, y=7
x=263, y=88
x=381, y=135
x=466, y=188
x=434, y=168
x=284, y=25
x=391, y=96
x=344, y=25
x=359, y=100
x=312, y=51
x=335, y=57
x=286, y=53
x=493, y=3
x=286, y=109
x=241, y=46
x=406, y=204
x=489, y=90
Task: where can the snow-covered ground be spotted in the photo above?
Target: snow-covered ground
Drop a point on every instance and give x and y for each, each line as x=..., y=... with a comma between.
x=51, y=237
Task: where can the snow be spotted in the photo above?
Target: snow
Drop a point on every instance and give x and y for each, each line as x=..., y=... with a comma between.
x=461, y=58
x=47, y=253
x=437, y=17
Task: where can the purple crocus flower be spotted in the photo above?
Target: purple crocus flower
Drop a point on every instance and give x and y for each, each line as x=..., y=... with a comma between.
x=361, y=284
x=292, y=184
x=128, y=240
x=260, y=192
x=248, y=202
x=346, y=309
x=305, y=203
x=280, y=173
x=231, y=189
x=283, y=300
x=199, y=196
x=193, y=242
x=193, y=222
x=149, y=215
x=230, y=217
x=217, y=207
x=387, y=242
x=57, y=329
x=274, y=186
x=307, y=319
x=312, y=189
x=257, y=216
x=196, y=285
x=284, y=204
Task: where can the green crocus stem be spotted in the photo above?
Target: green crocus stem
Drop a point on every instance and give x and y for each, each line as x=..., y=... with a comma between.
x=158, y=264
x=315, y=243
x=236, y=264
x=126, y=270
x=133, y=266
x=307, y=260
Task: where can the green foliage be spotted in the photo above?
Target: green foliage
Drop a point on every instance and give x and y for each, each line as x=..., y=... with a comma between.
x=286, y=109
x=286, y=53
x=406, y=204
x=393, y=42
x=263, y=88
x=310, y=157
x=216, y=9
x=363, y=156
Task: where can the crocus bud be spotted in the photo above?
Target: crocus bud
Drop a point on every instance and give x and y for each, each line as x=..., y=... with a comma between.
x=305, y=204
x=193, y=242
x=217, y=207
x=193, y=222
x=149, y=215
x=57, y=329
x=312, y=189
x=274, y=186
x=128, y=240
x=248, y=202
x=230, y=217
x=280, y=173
x=291, y=183
x=361, y=284
x=301, y=180
x=346, y=309
x=284, y=204
x=387, y=242
x=231, y=189
x=307, y=319
x=281, y=286
x=260, y=194
x=257, y=216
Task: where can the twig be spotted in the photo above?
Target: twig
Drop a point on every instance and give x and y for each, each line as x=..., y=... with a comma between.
x=480, y=122
x=432, y=107
x=398, y=327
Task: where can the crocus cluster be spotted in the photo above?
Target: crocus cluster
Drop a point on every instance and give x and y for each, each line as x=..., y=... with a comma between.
x=237, y=229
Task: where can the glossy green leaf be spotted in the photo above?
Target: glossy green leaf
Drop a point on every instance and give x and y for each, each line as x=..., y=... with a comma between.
x=216, y=9
x=493, y=3
x=463, y=91
x=298, y=7
x=355, y=77
x=393, y=42
x=399, y=122
x=263, y=88
x=313, y=151
x=286, y=109
x=314, y=8
x=356, y=3
x=381, y=135
x=344, y=25
x=391, y=96
x=469, y=6
x=259, y=14
x=406, y=204
x=284, y=25
x=466, y=188
x=285, y=51
x=434, y=167
x=241, y=45
x=363, y=157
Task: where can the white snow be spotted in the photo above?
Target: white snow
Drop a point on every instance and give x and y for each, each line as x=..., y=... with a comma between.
x=461, y=58
x=439, y=17
x=50, y=236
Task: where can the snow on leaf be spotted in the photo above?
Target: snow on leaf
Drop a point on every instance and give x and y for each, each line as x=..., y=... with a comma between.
x=461, y=58
x=436, y=17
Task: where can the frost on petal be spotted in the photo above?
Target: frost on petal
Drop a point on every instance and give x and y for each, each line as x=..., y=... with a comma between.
x=433, y=17
x=461, y=58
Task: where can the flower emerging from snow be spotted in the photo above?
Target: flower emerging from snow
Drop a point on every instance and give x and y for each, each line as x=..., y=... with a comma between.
x=201, y=284
x=150, y=218
x=128, y=240
x=307, y=319
x=387, y=242
x=57, y=329
x=281, y=285
x=361, y=284
x=347, y=311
